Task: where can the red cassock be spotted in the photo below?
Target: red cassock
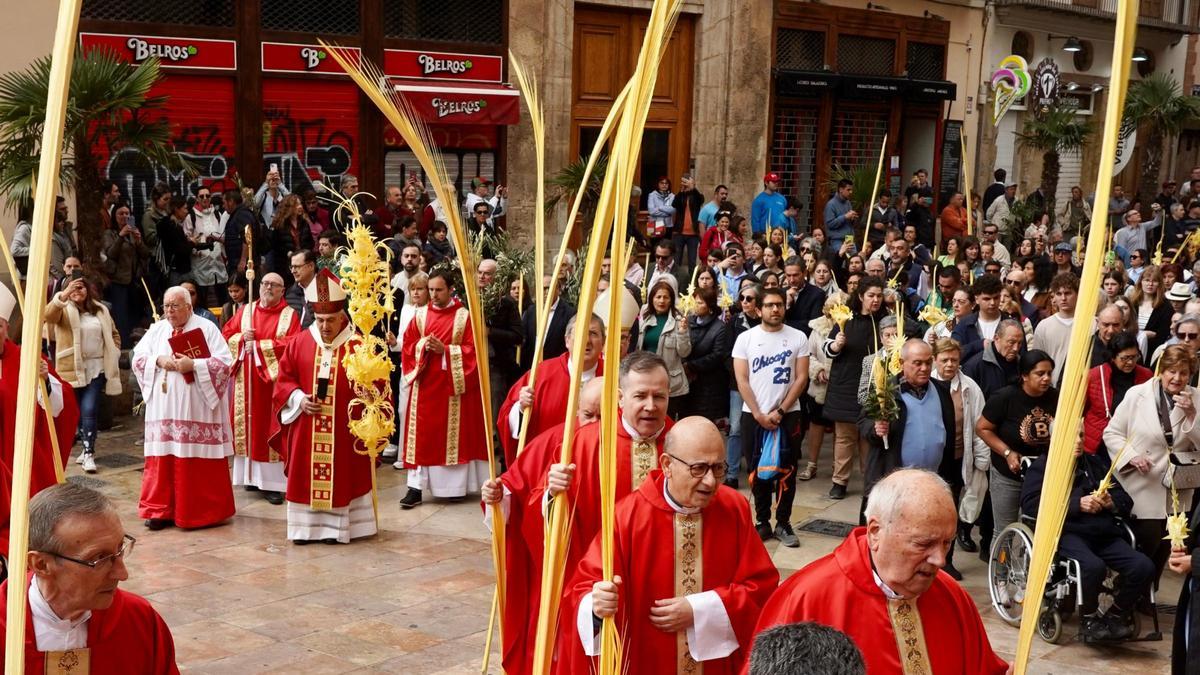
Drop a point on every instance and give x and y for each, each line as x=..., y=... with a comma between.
x=659, y=554
x=254, y=377
x=839, y=591
x=323, y=470
x=128, y=638
x=43, y=475
x=549, y=409
x=443, y=423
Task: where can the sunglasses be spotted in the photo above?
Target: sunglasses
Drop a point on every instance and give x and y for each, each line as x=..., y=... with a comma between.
x=662, y=257
x=748, y=298
x=1012, y=282
x=203, y=196
x=1187, y=336
x=1135, y=257
x=481, y=212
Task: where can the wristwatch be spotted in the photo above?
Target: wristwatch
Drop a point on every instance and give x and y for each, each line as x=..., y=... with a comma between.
x=780, y=411
x=1007, y=452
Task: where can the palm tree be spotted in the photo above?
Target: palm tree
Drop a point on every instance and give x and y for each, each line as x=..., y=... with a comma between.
x=1159, y=107
x=565, y=184
x=1059, y=130
x=108, y=107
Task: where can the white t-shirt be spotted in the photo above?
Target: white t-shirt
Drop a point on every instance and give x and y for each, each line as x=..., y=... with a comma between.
x=770, y=357
x=987, y=329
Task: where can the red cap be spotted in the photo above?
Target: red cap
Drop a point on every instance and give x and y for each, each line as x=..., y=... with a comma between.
x=771, y=177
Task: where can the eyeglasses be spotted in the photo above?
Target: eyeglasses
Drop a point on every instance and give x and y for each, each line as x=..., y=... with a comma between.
x=127, y=543
x=170, y=306
x=296, y=267
x=699, y=469
x=1187, y=336
x=1127, y=358
x=271, y=284
x=481, y=212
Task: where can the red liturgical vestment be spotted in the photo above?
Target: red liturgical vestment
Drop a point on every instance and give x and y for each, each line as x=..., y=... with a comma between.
x=839, y=590
x=255, y=369
x=549, y=409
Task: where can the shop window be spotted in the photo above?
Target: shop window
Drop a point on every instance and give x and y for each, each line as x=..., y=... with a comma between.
x=194, y=13
x=859, y=55
x=857, y=136
x=323, y=17
x=477, y=21
x=926, y=61
x=799, y=49
x=794, y=155
x=1022, y=44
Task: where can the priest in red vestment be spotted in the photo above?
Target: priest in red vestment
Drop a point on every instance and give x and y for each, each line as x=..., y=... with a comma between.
x=525, y=530
x=445, y=446
x=546, y=401
x=47, y=468
x=187, y=437
x=256, y=335
x=77, y=620
x=328, y=482
x=884, y=586
x=691, y=573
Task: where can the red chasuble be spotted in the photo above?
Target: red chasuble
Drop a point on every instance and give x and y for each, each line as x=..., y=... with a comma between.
x=128, y=638
x=64, y=425
x=839, y=591
x=443, y=424
x=659, y=554
x=549, y=408
x=323, y=470
x=255, y=368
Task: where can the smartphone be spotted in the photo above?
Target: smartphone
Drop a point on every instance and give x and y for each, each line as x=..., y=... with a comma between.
x=129, y=221
x=76, y=274
x=274, y=168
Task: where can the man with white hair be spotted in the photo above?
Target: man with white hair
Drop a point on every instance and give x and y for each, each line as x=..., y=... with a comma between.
x=182, y=366
x=78, y=620
x=257, y=335
x=884, y=587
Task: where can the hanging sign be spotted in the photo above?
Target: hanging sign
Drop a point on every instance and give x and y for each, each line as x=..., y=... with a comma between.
x=1126, y=142
x=282, y=57
x=426, y=65
x=1045, y=86
x=1010, y=83
x=171, y=52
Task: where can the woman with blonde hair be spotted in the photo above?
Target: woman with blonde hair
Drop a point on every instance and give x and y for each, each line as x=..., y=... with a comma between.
x=87, y=351
x=1153, y=312
x=818, y=383
x=663, y=331
x=1156, y=418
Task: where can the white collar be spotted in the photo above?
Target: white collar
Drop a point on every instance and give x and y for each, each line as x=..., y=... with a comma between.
x=338, y=341
x=676, y=506
x=587, y=374
x=44, y=613
x=636, y=436
x=887, y=592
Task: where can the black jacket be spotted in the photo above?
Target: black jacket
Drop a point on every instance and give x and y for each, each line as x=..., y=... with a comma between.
x=991, y=372
x=705, y=366
x=806, y=307
x=841, y=398
x=1089, y=471
x=176, y=246
x=693, y=201
x=556, y=342
x=949, y=467
x=1185, y=648
x=505, y=334
x=283, y=246
x=235, y=228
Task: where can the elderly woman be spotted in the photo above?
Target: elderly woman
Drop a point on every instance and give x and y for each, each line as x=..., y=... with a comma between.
x=818, y=383
x=879, y=359
x=962, y=304
x=1107, y=385
x=663, y=331
x=1156, y=418
x=969, y=448
x=1016, y=424
x=87, y=350
x=846, y=350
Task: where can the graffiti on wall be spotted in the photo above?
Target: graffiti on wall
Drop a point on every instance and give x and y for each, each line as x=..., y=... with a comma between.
x=203, y=146
x=309, y=131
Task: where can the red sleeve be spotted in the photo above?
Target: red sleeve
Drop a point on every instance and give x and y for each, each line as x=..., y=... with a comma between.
x=756, y=578
x=410, y=361
x=506, y=434
x=976, y=647
x=288, y=382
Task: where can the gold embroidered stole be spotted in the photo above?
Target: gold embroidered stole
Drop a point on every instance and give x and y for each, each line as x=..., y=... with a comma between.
x=642, y=456
x=241, y=429
x=320, y=491
x=453, y=414
x=689, y=578
x=414, y=391
x=910, y=636
x=69, y=662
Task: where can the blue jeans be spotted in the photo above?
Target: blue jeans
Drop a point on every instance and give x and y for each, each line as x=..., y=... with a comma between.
x=733, y=451
x=88, y=399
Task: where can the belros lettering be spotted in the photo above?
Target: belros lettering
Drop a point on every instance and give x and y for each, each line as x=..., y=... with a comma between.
x=445, y=107
x=143, y=50
x=430, y=65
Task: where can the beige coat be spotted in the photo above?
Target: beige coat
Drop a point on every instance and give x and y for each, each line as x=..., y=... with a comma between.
x=977, y=457
x=1136, y=421
x=64, y=317
x=674, y=345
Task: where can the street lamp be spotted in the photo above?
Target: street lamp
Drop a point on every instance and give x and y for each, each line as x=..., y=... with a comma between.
x=1140, y=55
x=1071, y=45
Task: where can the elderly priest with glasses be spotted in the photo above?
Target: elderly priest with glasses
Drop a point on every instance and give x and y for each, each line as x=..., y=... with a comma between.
x=77, y=620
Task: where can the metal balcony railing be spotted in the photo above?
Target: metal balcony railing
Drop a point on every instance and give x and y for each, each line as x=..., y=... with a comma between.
x=1170, y=15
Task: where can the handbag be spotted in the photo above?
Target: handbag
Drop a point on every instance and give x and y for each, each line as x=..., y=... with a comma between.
x=768, y=462
x=1183, y=468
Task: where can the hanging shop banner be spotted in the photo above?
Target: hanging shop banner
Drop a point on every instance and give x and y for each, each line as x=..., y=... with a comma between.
x=1045, y=86
x=1126, y=142
x=171, y=52
x=1010, y=83
x=465, y=104
x=426, y=65
x=286, y=57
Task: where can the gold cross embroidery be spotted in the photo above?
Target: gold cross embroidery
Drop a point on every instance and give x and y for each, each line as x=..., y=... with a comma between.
x=910, y=637
x=642, y=460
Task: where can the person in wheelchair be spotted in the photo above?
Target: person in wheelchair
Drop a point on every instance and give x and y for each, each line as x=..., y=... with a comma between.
x=1094, y=536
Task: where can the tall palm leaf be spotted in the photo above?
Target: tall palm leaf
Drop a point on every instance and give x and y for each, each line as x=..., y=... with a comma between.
x=1054, y=133
x=861, y=177
x=109, y=107
x=1159, y=107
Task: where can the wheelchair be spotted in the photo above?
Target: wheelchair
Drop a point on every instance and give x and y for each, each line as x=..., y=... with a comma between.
x=1008, y=572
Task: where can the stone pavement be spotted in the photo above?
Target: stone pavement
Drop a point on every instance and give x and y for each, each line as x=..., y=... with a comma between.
x=239, y=598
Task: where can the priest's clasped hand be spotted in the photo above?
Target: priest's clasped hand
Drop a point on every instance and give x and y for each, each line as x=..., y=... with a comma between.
x=310, y=405
x=492, y=491
x=184, y=364
x=605, y=595
x=434, y=345
x=559, y=478
x=526, y=397
x=672, y=615
x=248, y=334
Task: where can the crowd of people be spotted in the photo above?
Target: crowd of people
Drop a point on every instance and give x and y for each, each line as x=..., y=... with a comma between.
x=930, y=349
